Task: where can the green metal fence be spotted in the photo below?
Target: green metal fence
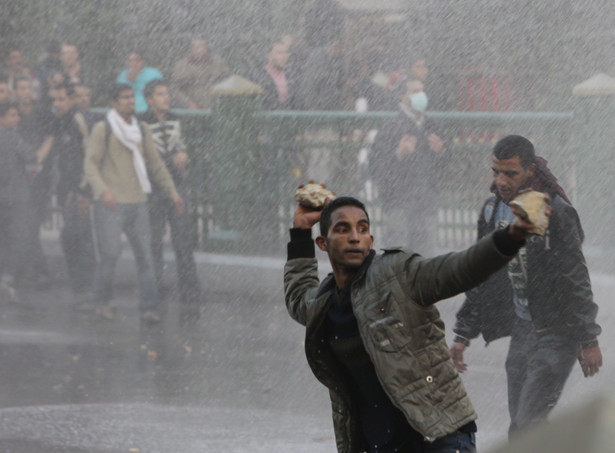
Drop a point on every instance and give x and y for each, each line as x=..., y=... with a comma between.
x=247, y=163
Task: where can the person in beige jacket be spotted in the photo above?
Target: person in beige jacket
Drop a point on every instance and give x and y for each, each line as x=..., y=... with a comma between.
x=194, y=76
x=121, y=165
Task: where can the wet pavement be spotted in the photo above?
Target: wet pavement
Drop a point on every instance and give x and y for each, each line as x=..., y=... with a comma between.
x=228, y=377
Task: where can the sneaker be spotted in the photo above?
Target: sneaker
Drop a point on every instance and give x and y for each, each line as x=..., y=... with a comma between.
x=107, y=311
x=7, y=293
x=150, y=317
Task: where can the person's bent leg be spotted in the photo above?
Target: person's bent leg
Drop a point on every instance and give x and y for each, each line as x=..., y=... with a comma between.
x=183, y=244
x=69, y=238
x=85, y=255
x=522, y=342
x=158, y=213
x=548, y=369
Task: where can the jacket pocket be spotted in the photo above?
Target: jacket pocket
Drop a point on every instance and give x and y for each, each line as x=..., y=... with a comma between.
x=386, y=328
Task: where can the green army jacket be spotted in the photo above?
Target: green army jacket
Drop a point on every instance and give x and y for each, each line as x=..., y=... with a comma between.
x=402, y=332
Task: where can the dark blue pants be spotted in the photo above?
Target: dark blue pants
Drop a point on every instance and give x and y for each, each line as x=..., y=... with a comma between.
x=78, y=246
x=162, y=210
x=537, y=367
x=456, y=442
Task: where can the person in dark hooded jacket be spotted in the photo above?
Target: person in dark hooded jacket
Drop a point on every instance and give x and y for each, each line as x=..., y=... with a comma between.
x=543, y=299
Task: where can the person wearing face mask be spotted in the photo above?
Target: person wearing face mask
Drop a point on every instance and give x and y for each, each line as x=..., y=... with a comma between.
x=405, y=160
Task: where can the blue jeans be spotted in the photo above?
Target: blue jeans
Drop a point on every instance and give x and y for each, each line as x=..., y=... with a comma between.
x=456, y=442
x=537, y=367
x=133, y=220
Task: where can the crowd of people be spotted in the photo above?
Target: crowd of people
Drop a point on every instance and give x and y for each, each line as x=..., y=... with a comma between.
x=108, y=174
x=50, y=109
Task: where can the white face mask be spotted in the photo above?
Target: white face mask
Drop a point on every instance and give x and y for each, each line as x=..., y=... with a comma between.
x=419, y=101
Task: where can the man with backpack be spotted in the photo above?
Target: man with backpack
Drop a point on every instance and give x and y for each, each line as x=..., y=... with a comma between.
x=121, y=165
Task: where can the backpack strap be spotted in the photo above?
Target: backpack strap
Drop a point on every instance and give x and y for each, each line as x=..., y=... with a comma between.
x=83, y=127
x=82, y=124
x=108, y=132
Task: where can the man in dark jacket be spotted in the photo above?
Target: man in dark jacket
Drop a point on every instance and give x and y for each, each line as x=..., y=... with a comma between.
x=373, y=335
x=407, y=157
x=543, y=299
x=34, y=127
x=74, y=196
x=169, y=142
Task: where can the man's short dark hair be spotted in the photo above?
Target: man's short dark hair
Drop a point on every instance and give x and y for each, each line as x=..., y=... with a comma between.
x=68, y=87
x=116, y=89
x=151, y=86
x=513, y=146
x=6, y=106
x=327, y=211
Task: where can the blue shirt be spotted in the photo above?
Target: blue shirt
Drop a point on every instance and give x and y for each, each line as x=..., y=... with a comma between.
x=146, y=75
x=517, y=268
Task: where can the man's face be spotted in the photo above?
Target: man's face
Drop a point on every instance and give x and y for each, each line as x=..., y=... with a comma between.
x=419, y=69
x=69, y=54
x=83, y=97
x=4, y=92
x=348, y=240
x=160, y=100
x=510, y=176
x=55, y=79
x=125, y=103
x=62, y=103
x=14, y=61
x=10, y=120
x=134, y=62
x=279, y=55
x=198, y=48
x=23, y=91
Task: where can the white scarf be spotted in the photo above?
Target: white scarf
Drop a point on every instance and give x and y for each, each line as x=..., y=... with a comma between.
x=130, y=136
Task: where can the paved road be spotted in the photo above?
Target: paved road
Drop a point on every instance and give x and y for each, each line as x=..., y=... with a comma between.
x=231, y=378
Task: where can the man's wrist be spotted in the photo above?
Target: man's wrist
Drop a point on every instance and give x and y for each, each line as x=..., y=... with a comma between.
x=460, y=339
x=301, y=244
x=589, y=344
x=505, y=244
